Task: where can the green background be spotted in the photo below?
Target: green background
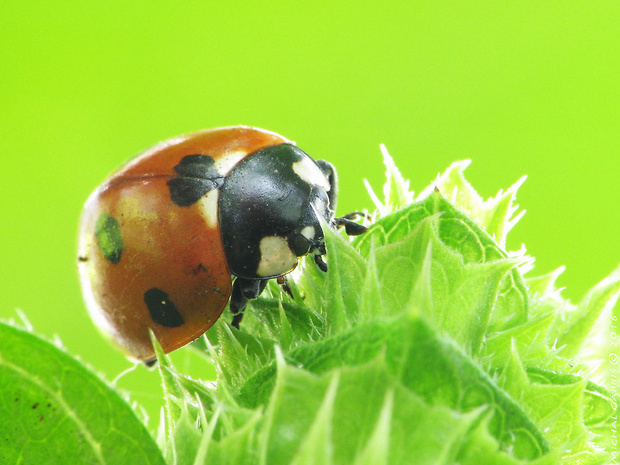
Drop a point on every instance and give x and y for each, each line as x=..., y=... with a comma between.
x=519, y=87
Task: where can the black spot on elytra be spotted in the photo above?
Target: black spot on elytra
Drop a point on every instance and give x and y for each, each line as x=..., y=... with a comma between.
x=197, y=177
x=162, y=309
x=109, y=239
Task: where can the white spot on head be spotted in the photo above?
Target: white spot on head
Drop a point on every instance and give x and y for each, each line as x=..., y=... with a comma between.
x=308, y=232
x=228, y=160
x=208, y=207
x=307, y=170
x=276, y=258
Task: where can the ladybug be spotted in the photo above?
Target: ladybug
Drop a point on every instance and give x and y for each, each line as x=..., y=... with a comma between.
x=161, y=240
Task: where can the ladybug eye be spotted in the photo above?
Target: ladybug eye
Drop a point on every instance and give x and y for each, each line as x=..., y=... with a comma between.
x=299, y=244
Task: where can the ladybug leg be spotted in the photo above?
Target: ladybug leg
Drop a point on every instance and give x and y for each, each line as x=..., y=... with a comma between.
x=351, y=227
x=357, y=215
x=282, y=281
x=318, y=259
x=243, y=290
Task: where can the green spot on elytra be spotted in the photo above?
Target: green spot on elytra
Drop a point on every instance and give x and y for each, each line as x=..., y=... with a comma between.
x=109, y=238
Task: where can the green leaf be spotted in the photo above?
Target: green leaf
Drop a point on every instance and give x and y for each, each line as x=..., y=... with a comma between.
x=242, y=352
x=544, y=285
x=53, y=410
x=597, y=402
x=316, y=447
x=481, y=448
x=392, y=228
x=426, y=365
x=371, y=299
x=557, y=403
x=395, y=190
x=349, y=414
x=464, y=296
x=531, y=340
x=463, y=244
x=575, y=326
x=280, y=318
x=343, y=283
x=494, y=215
x=377, y=448
x=464, y=236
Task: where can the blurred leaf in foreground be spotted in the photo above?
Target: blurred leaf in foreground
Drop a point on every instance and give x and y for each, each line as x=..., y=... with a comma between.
x=55, y=411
